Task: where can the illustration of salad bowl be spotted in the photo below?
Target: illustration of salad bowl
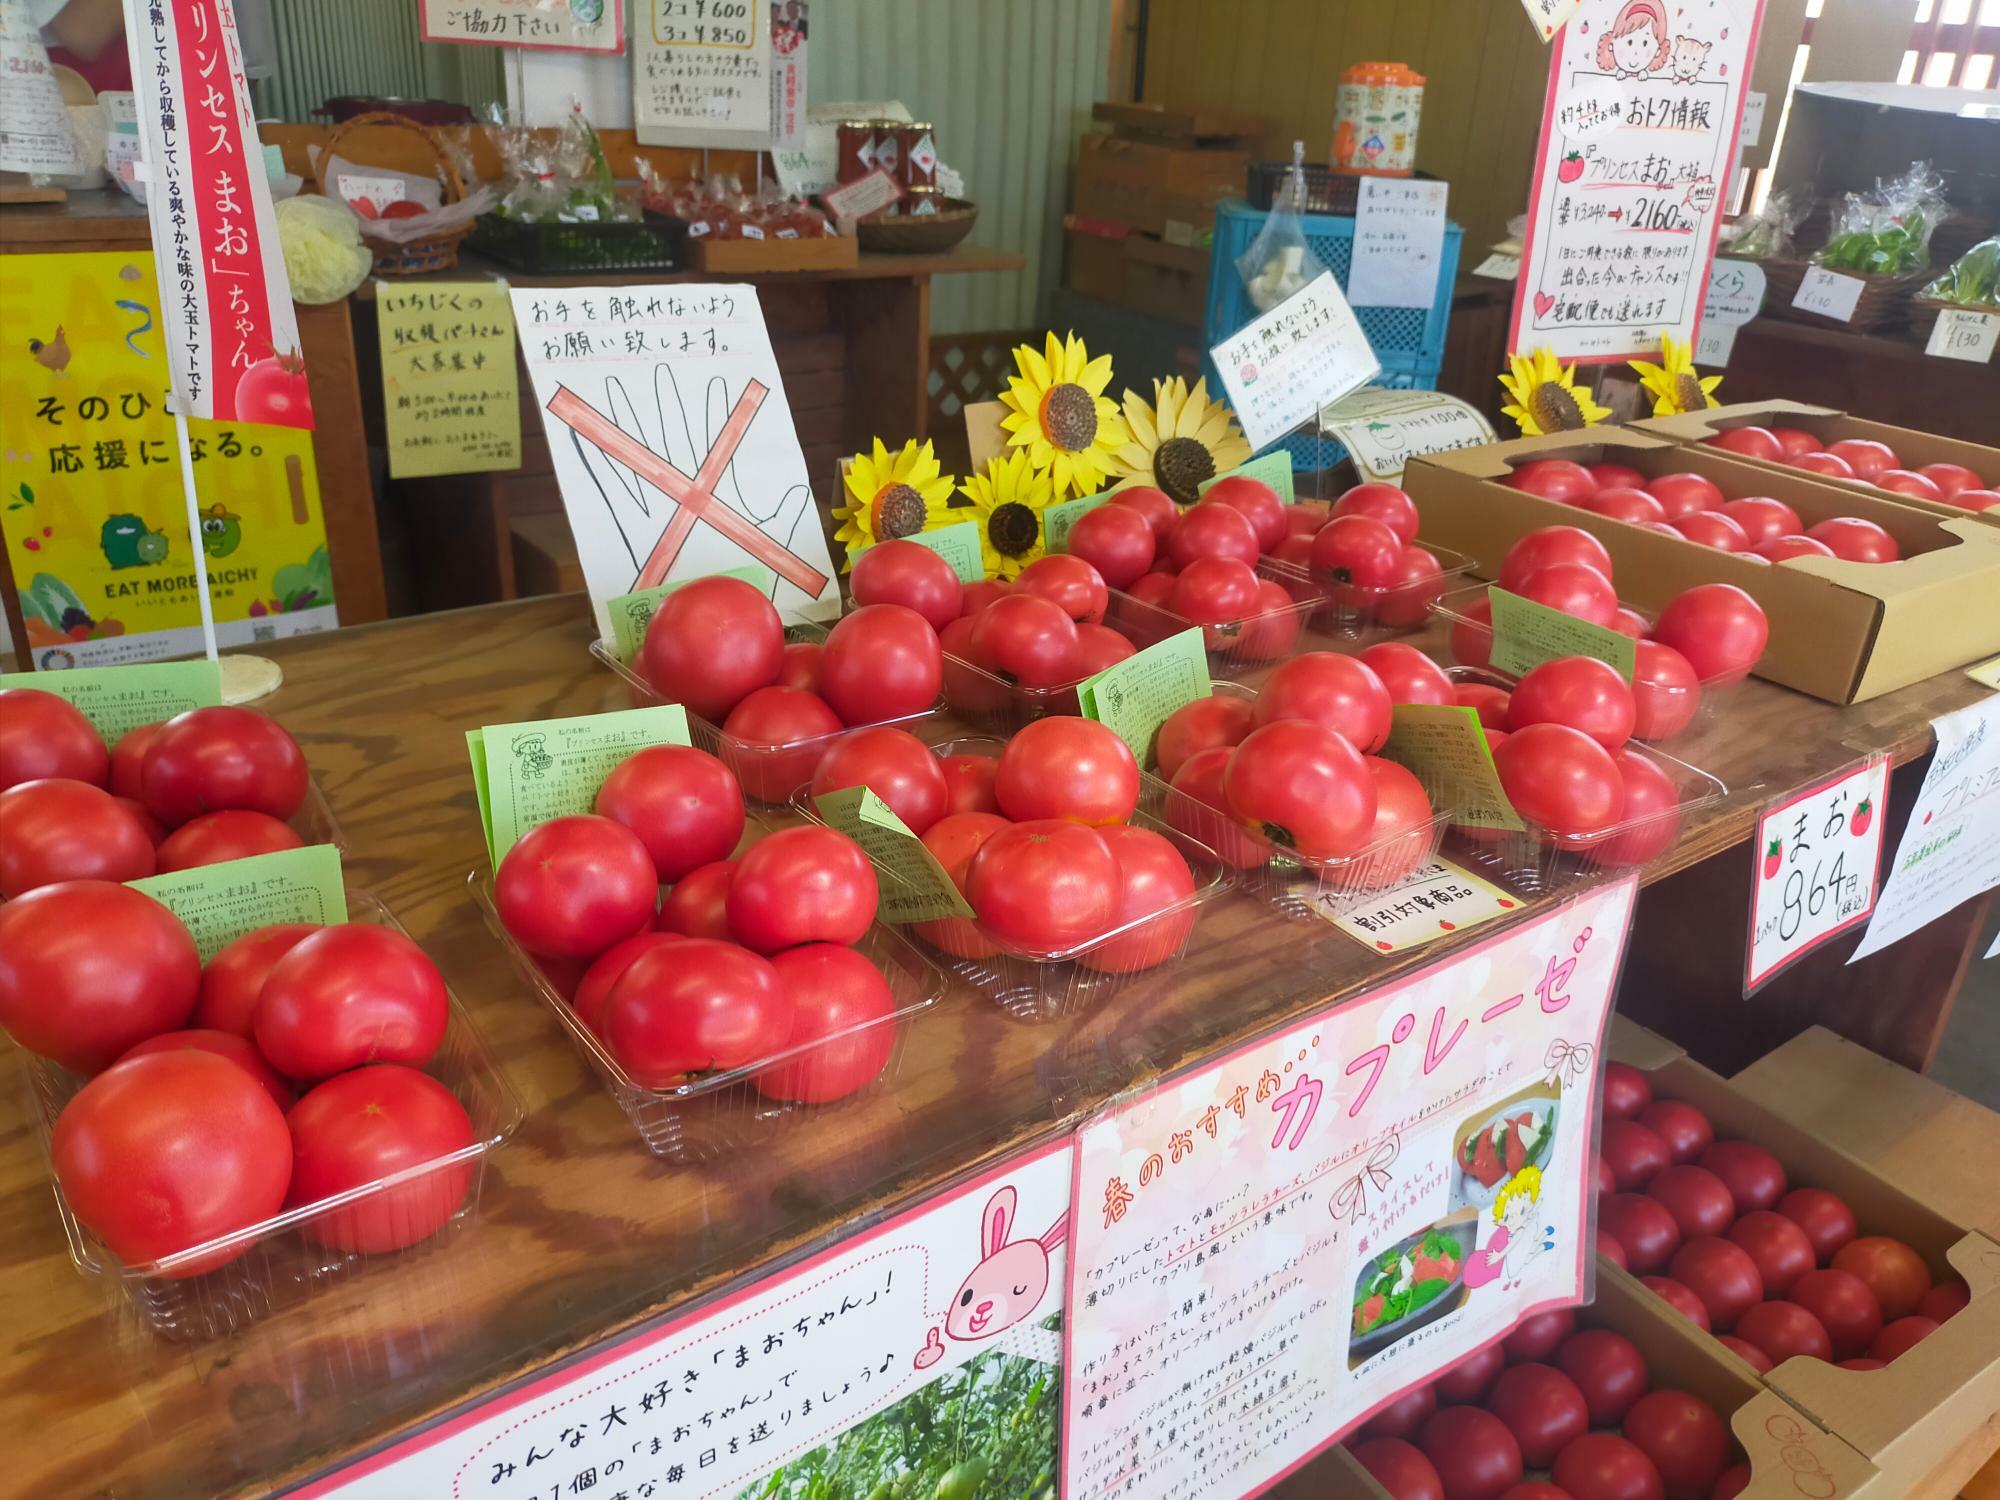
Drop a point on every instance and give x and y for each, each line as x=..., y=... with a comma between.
x=1492, y=1148
x=1413, y=1283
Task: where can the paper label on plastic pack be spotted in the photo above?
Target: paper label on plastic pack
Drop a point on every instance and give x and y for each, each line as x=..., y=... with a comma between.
x=1274, y=469
x=921, y=890
x=1445, y=747
x=220, y=903
x=1135, y=697
x=1059, y=520
x=1526, y=634
x=1435, y=900
x=957, y=545
x=632, y=613
x=552, y=768
x=117, y=700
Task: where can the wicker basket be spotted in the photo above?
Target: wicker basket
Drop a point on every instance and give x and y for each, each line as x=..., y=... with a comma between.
x=1925, y=311
x=434, y=252
x=1884, y=302
x=918, y=234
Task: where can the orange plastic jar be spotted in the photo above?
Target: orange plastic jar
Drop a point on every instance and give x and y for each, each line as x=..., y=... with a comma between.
x=1376, y=109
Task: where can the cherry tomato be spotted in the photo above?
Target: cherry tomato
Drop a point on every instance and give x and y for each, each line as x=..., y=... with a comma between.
x=1784, y=1329
x=370, y=1124
x=1944, y=1301
x=56, y=829
x=1215, y=591
x=798, y=666
x=223, y=1044
x=695, y=1007
x=1697, y=1198
x=1473, y=1451
x=1384, y=503
x=1153, y=877
x=1025, y=640
x=1554, y=479
x=1719, y=1272
x=350, y=994
x=1777, y=1246
x=1579, y=691
x=1068, y=582
x=1751, y=442
x=1951, y=478
x=1853, y=539
x=1472, y=1377
x=1636, y=1152
x=1684, y=1128
x=1830, y=464
x=1626, y=1092
x=1400, y=838
x=1605, y=1466
x=1400, y=1468
x=1894, y=1272
x=1156, y=505
x=697, y=906
x=773, y=739
x=1684, y=1437
x=1304, y=787
x=1407, y=674
x=1575, y=589
x=910, y=574
x=1257, y=501
x=165, y=1153
x=710, y=644
x=210, y=759
x=840, y=1009
x=1472, y=636
x=233, y=980
x=1044, y=887
x=1358, y=550
x=1748, y=1352
x=1117, y=540
x=44, y=736
x=882, y=662
x=896, y=766
x=1900, y=1336
x=1198, y=806
x=1643, y=1227
x=214, y=837
x=1404, y=1416
x=1212, y=529
x=573, y=886
x=1794, y=441
x=1679, y=1298
x=1719, y=629
x=1608, y=476
x=1339, y=693
x=952, y=841
x=1665, y=691
x=1684, y=494
x=1780, y=549
x=1220, y=719
x=91, y=968
x=968, y=782
x=1542, y=1408
x=1561, y=779
x=801, y=885
x=1608, y=1370
x=594, y=987
x=1490, y=703
x=1548, y=546
x=1711, y=528
x=1622, y=503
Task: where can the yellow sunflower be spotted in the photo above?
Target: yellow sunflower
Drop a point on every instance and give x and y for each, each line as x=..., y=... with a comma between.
x=891, y=497
x=1673, y=383
x=1179, y=441
x=1546, y=395
x=1058, y=414
x=1008, y=501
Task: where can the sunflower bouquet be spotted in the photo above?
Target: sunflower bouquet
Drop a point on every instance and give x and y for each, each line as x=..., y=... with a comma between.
x=1545, y=397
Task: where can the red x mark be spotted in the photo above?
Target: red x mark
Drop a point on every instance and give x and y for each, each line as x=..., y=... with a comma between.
x=695, y=498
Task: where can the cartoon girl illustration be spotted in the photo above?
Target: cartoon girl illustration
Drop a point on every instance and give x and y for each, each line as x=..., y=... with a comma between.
x=1005, y=1287
x=1636, y=44
x=1515, y=1242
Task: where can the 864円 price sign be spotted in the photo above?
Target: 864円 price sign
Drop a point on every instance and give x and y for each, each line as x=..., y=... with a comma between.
x=1817, y=852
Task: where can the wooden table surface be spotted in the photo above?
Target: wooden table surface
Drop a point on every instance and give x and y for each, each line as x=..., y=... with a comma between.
x=582, y=1232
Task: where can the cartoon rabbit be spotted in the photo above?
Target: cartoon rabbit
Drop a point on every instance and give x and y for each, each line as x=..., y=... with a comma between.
x=1003, y=1288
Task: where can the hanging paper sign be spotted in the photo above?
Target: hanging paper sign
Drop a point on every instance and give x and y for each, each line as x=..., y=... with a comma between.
x=788, y=73
x=1549, y=16
x=701, y=73
x=232, y=342
x=1638, y=134
x=1399, y=229
x=1383, y=1189
x=1963, y=334
x=451, y=403
x=673, y=444
x=1283, y=367
x=538, y=25
x=35, y=134
x=1383, y=430
x=922, y=1349
x=1816, y=856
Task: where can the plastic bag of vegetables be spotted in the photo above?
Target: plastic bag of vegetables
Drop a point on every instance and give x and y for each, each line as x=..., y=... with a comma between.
x=1888, y=233
x=1972, y=281
x=1767, y=233
x=1279, y=261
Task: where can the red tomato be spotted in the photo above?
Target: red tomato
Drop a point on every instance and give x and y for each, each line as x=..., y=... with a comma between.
x=896, y=766
x=801, y=885
x=1830, y=464
x=968, y=782
x=1471, y=1378
x=1025, y=640
x=1684, y=1437
x=1980, y=500
x=1631, y=622
x=1400, y=1468
x=1068, y=582
x=1472, y=637
x=1684, y=494
x=571, y=887
x=1273, y=630
x=1951, y=478
x=1384, y=503
x=1215, y=591
x=1257, y=501
x=1418, y=584
x=56, y=829
x=1615, y=476
x=1622, y=503
x=1651, y=819
x=978, y=595
x=910, y=574
x=1665, y=692
x=840, y=1006
x=774, y=738
x=1575, y=589
x=1198, y=806
x=1490, y=703
x=209, y=759
x=1897, y=1338
x=1306, y=517
x=1604, y=1466
x=1825, y=1217
x=1719, y=1272
x=1117, y=540
x=275, y=390
x=1684, y=1128
x=1636, y=1151
x=1358, y=550
x=1626, y=1092
x=1784, y=1329
x=214, y=837
x=1402, y=1417
x=166, y=1153
x=1608, y=1370
x=1535, y=1489
x=883, y=662
x=1719, y=629
x=697, y=906
x=1542, y=1408
x=1044, y=887
x=1407, y=674
x=1579, y=691
x=695, y=1007
x=1711, y=528
x=1153, y=877
x=90, y=968
x=712, y=643
x=952, y=841
x=1340, y=693
x=1098, y=647
x=1553, y=479
x=593, y=989
x=1679, y=1298
x=1944, y=1301
x=1297, y=547
x=1865, y=456
x=370, y=1124
x=1779, y=1248
x=1755, y=1178
x=1561, y=779
x=1746, y=1351
x=1474, y=1453
x=1853, y=539
x=1795, y=442
x=1779, y=549
x=1642, y=1227
x=1063, y=767
x=1537, y=1337
x=1212, y=529
x=1155, y=505
x=1546, y=547
x=1751, y=442
x=798, y=666
x=1220, y=719
x=1401, y=837
x=968, y=688
x=233, y=979
x=347, y=995
x=1894, y=1272
x=1845, y=1306
x=128, y=760
x=1304, y=787
x=1762, y=519
x=1696, y=1197
x=223, y=1044
x=43, y=736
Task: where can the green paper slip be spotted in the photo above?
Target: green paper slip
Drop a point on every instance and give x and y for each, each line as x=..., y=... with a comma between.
x=957, y=545
x=632, y=613
x=475, y=748
x=920, y=891
x=553, y=767
x=1447, y=751
x=1274, y=469
x=1059, y=520
x=119, y=699
x=219, y=903
x=1526, y=634
x=1138, y=695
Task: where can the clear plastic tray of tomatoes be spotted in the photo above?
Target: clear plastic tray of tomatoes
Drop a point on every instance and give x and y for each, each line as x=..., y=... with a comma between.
x=1234, y=646
x=718, y=1112
x=280, y=1262
x=314, y=821
x=1364, y=613
x=990, y=701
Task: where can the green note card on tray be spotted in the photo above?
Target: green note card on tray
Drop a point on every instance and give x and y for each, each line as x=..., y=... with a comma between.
x=1058, y=520
x=1139, y=694
x=919, y=889
x=119, y=699
x=219, y=903
x=1274, y=469
x=957, y=545
x=632, y=613
x=528, y=773
x=1446, y=749
x=1526, y=634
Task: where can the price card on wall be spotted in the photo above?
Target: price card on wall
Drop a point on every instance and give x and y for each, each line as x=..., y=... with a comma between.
x=1399, y=228
x=1816, y=854
x=1282, y=368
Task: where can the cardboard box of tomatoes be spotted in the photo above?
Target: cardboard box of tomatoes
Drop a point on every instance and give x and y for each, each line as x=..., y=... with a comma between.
x=1841, y=628
x=1890, y=1281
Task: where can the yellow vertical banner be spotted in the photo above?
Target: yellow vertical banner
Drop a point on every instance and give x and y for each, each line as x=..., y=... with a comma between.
x=91, y=510
x=450, y=400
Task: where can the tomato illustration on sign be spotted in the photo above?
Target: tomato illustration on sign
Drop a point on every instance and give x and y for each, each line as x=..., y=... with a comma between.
x=1571, y=168
x=1863, y=816
x=1772, y=853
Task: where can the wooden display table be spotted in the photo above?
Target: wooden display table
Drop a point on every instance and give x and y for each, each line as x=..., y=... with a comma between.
x=582, y=1232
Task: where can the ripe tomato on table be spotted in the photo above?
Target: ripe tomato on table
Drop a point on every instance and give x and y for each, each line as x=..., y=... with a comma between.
x=1824, y=1216
x=1697, y=1199
x=684, y=804
x=1045, y=886
x=1408, y=675
x=1853, y=539
x=1400, y=1468
x=1474, y=1453
x=1198, y=806
x=969, y=781
x=1257, y=501
x=801, y=885
x=697, y=906
x=1579, y=691
x=1070, y=583
x=1561, y=779
x=774, y=738
x=1546, y=546
x=1845, y=1306
x=1665, y=691
x=1214, y=591
x=42, y=736
x=1067, y=768
x=57, y=829
x=1751, y=441
x=1684, y=1437
x=910, y=574
x=1156, y=505
x=573, y=886
x=1605, y=1466
x=229, y=1047
x=1554, y=479
x=1542, y=1407
x=211, y=759
x=1608, y=1369
x=1117, y=540
x=1219, y=719
x=1303, y=786
x=712, y=643
x=1779, y=1248
x=347, y=995
x=1400, y=838
x=1755, y=1178
x=1719, y=628
x=1722, y=1274
x=368, y=1124
x=214, y=837
x=1626, y=1091
x=1358, y=550
x=594, y=985
x=1893, y=1271
x=1683, y=494
x=952, y=841
x=694, y=1007
x=896, y=766
x=1385, y=503
x=840, y=1007
x=1211, y=529
x=233, y=980
x=881, y=662
x=1153, y=876
x=1574, y=589
x=1336, y=692
x=1026, y=641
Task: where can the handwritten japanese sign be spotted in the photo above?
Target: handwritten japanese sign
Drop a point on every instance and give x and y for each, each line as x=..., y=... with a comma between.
x=1382, y=430
x=701, y=73
x=1433, y=901
x=1735, y=295
x=1269, y=1247
x=1638, y=135
x=220, y=903
x=789, y=28
x=526, y=774
x=673, y=444
x=546, y=25
x=118, y=700
x=1829, y=294
x=1961, y=333
x=450, y=399
x=1399, y=229
x=1816, y=857
x=35, y=134
x=1283, y=367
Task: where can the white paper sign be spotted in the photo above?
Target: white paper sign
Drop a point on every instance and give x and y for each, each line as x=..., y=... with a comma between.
x=1969, y=336
x=1817, y=855
x=701, y=73
x=1382, y=430
x=1735, y=295
x=1753, y=120
x=1499, y=267
x=1716, y=344
x=1282, y=368
x=1550, y=16
x=673, y=444
x=1829, y=294
x=1399, y=226
x=1950, y=852
x=547, y=25
x=35, y=134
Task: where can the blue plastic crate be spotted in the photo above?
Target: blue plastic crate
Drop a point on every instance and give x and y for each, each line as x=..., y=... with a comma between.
x=1311, y=453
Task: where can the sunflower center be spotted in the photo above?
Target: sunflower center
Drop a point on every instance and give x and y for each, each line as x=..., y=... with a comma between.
x=1180, y=466
x=1689, y=394
x=1555, y=409
x=1012, y=529
x=1069, y=416
x=899, y=511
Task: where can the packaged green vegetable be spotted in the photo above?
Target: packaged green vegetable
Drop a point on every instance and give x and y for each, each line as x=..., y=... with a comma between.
x=1888, y=233
x=1973, y=280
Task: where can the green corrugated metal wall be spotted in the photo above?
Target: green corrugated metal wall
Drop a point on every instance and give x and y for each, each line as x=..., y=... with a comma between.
x=332, y=47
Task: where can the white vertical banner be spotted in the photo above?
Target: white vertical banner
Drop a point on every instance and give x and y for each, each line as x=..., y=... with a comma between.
x=788, y=73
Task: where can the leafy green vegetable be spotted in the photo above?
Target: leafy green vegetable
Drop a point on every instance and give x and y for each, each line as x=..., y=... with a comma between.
x=1973, y=280
x=1903, y=246
x=51, y=599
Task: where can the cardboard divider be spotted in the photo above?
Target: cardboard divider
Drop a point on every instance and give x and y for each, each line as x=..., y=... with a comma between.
x=1841, y=631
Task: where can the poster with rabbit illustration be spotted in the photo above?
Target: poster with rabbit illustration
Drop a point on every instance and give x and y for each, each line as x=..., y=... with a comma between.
x=1632, y=176
x=672, y=441
x=1271, y=1247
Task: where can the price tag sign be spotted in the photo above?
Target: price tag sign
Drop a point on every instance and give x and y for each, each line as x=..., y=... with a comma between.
x=1398, y=242
x=1969, y=336
x=1818, y=854
x=1434, y=900
x=1382, y=430
x=1283, y=367
x=1830, y=294
x=1716, y=344
x=862, y=197
x=1735, y=295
